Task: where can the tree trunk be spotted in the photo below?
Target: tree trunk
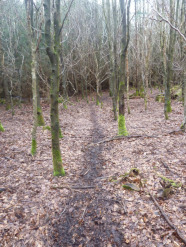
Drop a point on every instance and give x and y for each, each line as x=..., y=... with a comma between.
x=29, y=10
x=53, y=54
x=115, y=67
x=127, y=73
x=137, y=84
x=40, y=119
x=172, y=40
x=124, y=44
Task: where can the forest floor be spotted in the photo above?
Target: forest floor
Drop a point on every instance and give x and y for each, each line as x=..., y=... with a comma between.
x=89, y=206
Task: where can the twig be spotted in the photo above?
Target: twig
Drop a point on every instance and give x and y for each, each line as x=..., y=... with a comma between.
x=124, y=137
x=167, y=219
x=175, y=132
x=72, y=187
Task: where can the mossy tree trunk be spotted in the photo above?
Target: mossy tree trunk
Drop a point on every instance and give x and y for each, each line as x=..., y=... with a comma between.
x=29, y=10
x=184, y=120
x=182, y=44
x=124, y=43
x=127, y=73
x=112, y=79
x=53, y=52
x=115, y=66
x=137, y=83
x=40, y=119
x=170, y=55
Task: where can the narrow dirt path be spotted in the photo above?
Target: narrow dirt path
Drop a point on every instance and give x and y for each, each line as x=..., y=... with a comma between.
x=88, y=219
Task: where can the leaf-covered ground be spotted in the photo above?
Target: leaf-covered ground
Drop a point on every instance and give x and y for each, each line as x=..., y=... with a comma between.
x=89, y=207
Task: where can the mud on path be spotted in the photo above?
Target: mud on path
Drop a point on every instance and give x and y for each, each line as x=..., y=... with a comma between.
x=88, y=208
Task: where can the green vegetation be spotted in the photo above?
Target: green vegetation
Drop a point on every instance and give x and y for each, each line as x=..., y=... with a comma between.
x=171, y=182
x=34, y=147
x=60, y=134
x=47, y=128
x=57, y=163
x=1, y=127
x=122, y=130
x=40, y=119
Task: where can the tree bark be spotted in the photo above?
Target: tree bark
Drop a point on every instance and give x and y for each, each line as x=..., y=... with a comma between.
x=29, y=11
x=124, y=43
x=172, y=40
x=53, y=54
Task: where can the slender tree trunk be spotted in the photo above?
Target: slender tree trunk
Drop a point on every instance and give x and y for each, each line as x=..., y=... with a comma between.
x=34, y=95
x=170, y=55
x=127, y=72
x=124, y=43
x=115, y=67
x=184, y=70
x=29, y=10
x=112, y=81
x=137, y=84
x=184, y=119
x=53, y=54
x=40, y=119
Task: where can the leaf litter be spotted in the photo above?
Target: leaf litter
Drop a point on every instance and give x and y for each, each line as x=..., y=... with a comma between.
x=88, y=207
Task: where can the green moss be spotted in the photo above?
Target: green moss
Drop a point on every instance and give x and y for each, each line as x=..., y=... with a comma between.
x=34, y=147
x=60, y=134
x=60, y=100
x=137, y=92
x=47, y=128
x=2, y=101
x=122, y=84
x=169, y=109
x=1, y=128
x=65, y=106
x=160, y=98
x=57, y=162
x=101, y=104
x=40, y=119
x=97, y=102
x=172, y=182
x=122, y=130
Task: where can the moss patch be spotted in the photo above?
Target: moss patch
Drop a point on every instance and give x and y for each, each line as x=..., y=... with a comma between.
x=122, y=130
x=1, y=128
x=57, y=163
x=169, y=109
x=60, y=134
x=40, y=119
x=160, y=98
x=47, y=128
x=34, y=147
x=172, y=182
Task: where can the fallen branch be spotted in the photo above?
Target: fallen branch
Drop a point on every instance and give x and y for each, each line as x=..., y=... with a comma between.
x=72, y=187
x=167, y=219
x=175, y=132
x=124, y=137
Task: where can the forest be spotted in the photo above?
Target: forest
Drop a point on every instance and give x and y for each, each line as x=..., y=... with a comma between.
x=92, y=123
